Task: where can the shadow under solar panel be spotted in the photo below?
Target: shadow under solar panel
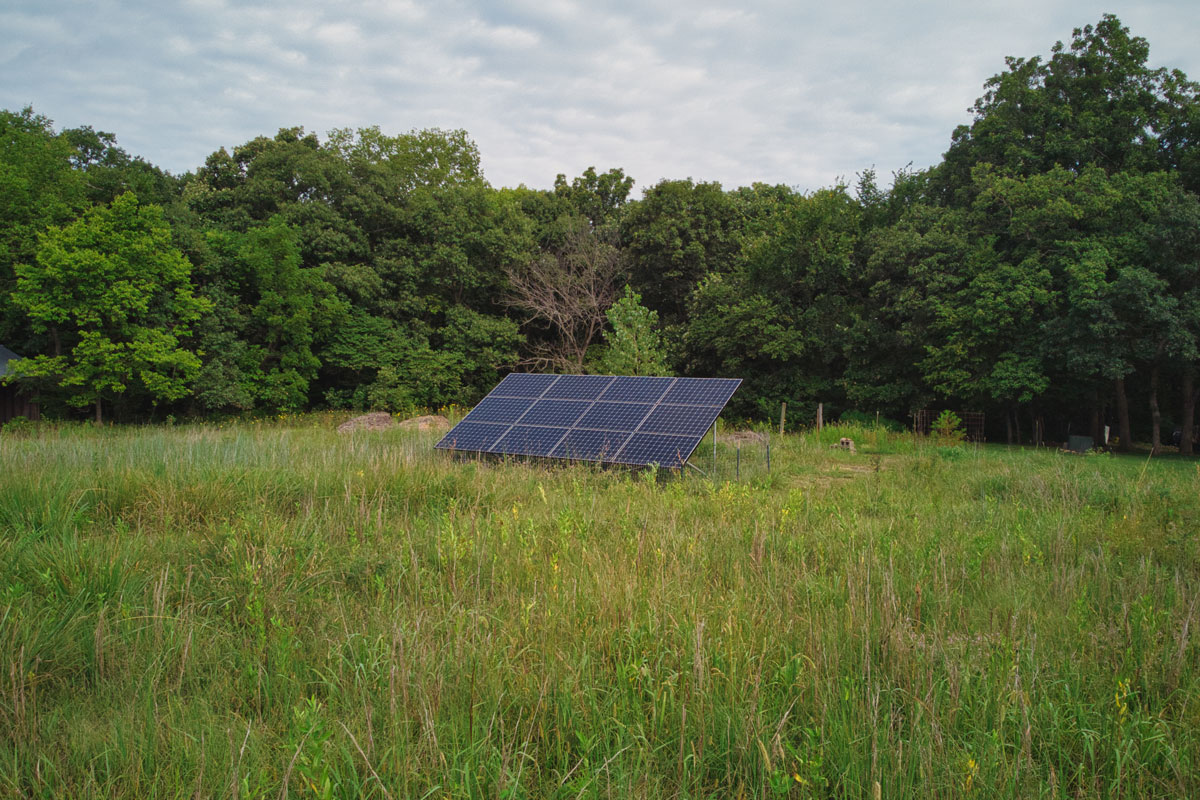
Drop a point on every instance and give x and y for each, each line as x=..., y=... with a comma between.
x=630, y=420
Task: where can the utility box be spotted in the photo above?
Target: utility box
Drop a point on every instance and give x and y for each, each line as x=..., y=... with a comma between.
x=1080, y=444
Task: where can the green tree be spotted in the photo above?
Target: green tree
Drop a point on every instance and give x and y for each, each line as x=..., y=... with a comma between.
x=1057, y=284
x=38, y=189
x=598, y=197
x=905, y=264
x=293, y=308
x=678, y=233
x=1095, y=102
x=403, y=228
x=290, y=176
x=633, y=346
x=444, y=277
x=1068, y=180
x=734, y=330
x=116, y=299
x=108, y=171
x=275, y=313
x=393, y=166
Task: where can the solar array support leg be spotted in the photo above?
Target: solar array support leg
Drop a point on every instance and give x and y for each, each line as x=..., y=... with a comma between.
x=714, y=447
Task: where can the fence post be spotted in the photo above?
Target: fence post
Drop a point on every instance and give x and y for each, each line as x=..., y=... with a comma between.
x=820, y=416
x=782, y=416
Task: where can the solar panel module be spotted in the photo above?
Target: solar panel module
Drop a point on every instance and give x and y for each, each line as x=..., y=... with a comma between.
x=611, y=419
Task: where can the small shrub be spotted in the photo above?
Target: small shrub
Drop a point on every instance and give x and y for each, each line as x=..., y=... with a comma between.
x=18, y=426
x=948, y=428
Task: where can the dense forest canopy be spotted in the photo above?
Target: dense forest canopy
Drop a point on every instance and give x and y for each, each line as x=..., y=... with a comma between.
x=1047, y=271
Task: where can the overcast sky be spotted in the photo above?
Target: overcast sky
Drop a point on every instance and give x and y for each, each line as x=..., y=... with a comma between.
x=800, y=93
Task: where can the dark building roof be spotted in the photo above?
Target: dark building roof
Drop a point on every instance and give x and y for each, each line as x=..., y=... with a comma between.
x=6, y=356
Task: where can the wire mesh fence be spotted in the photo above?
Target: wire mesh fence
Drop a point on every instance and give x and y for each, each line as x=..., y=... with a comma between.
x=972, y=423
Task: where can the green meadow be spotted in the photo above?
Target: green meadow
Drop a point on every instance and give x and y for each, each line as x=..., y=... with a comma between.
x=274, y=610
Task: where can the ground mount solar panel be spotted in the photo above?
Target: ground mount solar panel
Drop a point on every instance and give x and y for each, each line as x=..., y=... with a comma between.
x=611, y=419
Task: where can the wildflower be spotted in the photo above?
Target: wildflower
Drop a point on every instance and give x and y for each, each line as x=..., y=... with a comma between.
x=1122, y=707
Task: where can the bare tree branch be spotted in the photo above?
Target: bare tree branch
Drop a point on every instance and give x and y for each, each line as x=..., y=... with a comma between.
x=567, y=290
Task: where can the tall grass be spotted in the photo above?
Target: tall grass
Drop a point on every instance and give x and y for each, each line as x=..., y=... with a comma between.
x=274, y=611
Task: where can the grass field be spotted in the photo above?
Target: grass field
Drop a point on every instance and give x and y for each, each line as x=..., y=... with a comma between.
x=275, y=610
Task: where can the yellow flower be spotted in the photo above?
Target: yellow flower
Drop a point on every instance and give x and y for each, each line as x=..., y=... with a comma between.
x=1122, y=707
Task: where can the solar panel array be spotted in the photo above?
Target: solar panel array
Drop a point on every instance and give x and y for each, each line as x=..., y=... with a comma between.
x=606, y=418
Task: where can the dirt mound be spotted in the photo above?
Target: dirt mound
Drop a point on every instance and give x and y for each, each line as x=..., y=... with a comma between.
x=429, y=422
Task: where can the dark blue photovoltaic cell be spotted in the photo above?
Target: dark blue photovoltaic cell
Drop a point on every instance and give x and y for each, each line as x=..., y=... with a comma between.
x=499, y=409
x=472, y=436
x=702, y=391
x=579, y=387
x=526, y=440
x=654, y=448
x=620, y=420
x=519, y=384
x=555, y=412
x=614, y=416
x=679, y=420
x=637, y=389
x=590, y=445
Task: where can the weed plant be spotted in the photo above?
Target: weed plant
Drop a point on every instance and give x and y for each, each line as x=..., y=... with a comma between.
x=276, y=611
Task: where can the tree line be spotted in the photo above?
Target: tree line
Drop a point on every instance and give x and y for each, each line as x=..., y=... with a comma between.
x=1046, y=271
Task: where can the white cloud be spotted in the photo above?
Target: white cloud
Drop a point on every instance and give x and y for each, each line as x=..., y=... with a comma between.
x=763, y=91
x=338, y=34
x=510, y=36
